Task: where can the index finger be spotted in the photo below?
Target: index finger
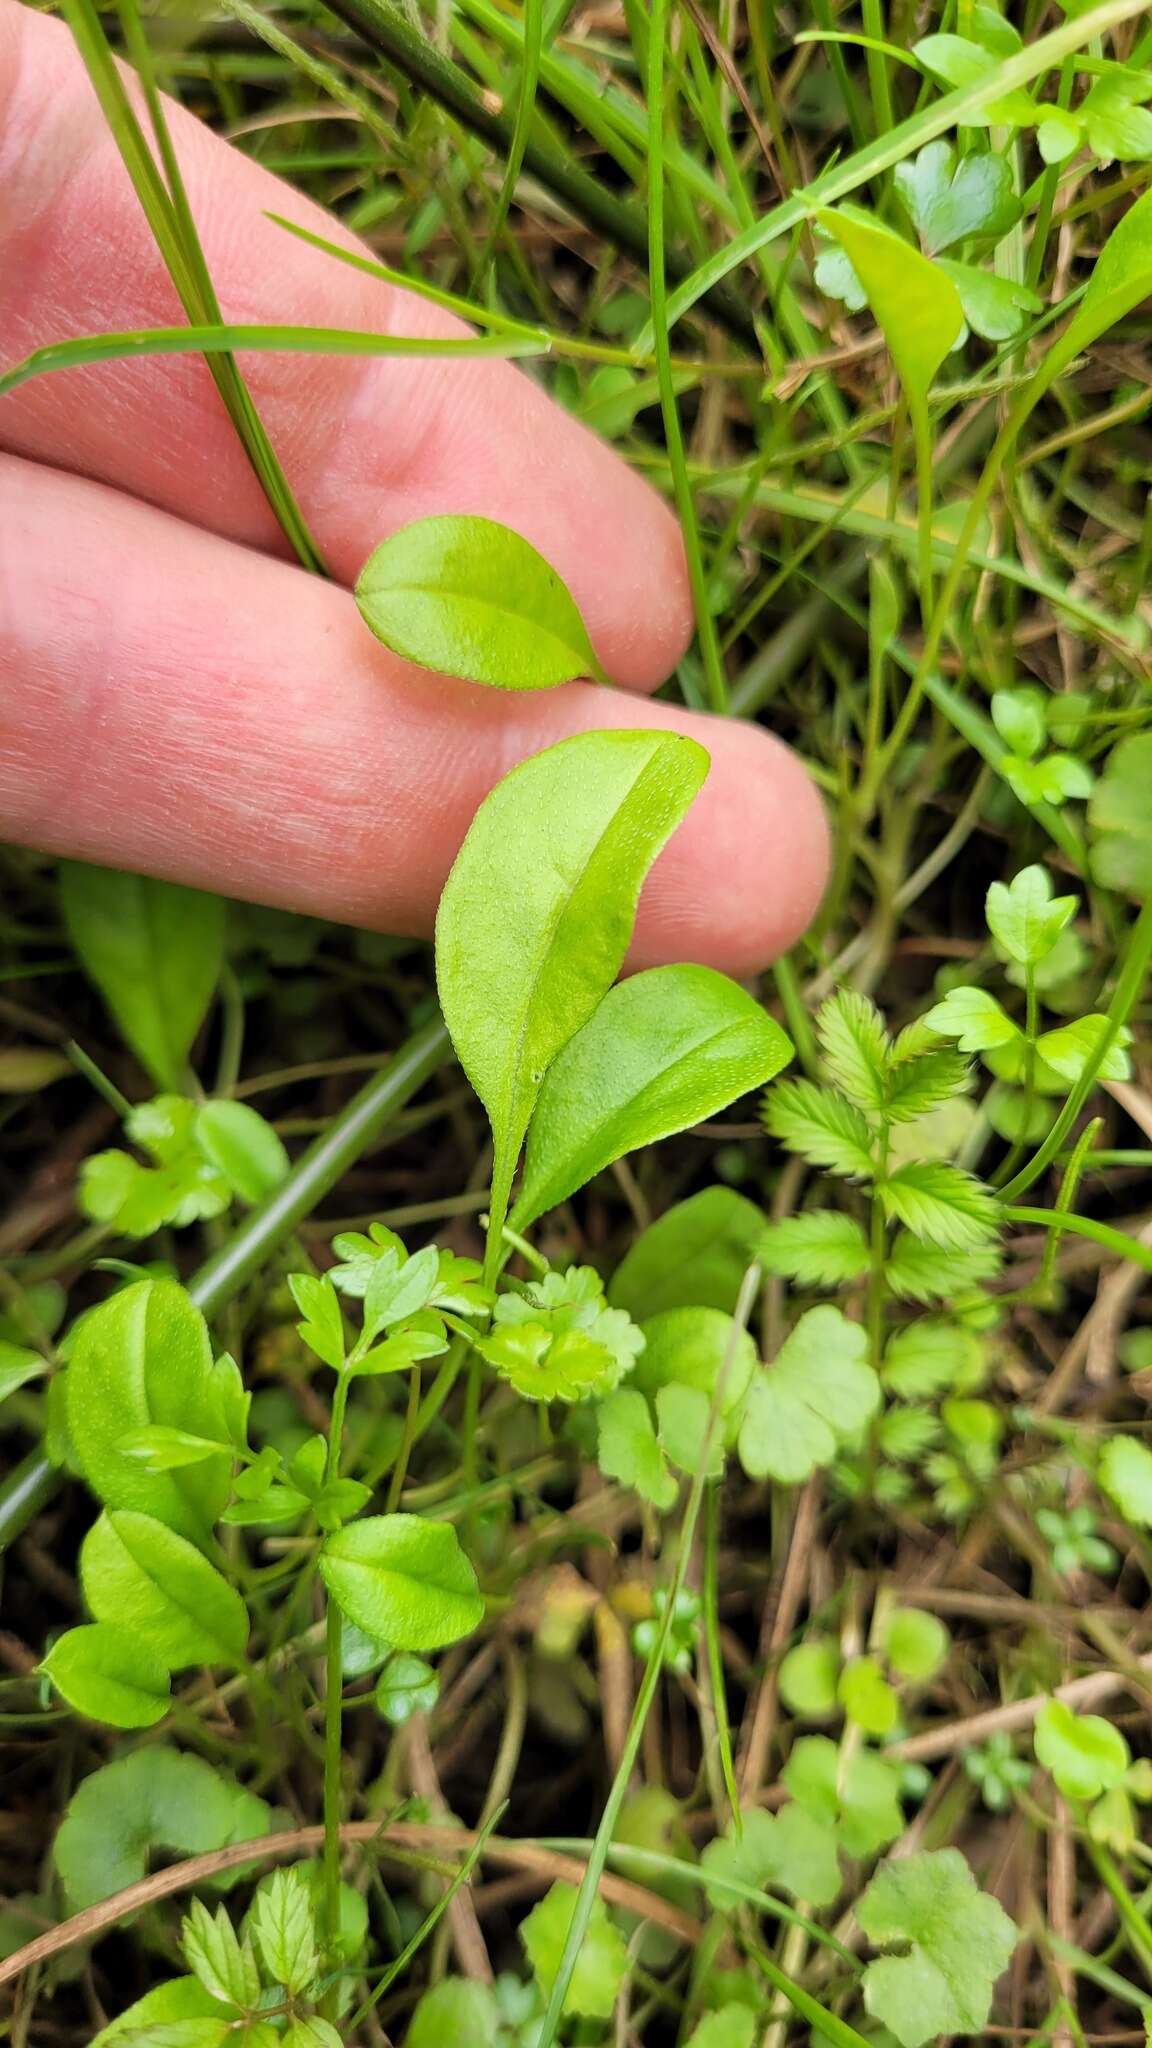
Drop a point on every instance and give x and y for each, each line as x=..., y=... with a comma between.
x=367, y=443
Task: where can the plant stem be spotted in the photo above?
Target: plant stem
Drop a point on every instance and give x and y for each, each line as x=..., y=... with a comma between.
x=333, y=1702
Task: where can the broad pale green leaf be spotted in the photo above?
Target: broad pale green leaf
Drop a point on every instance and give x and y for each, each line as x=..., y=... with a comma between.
x=664, y=1050
x=110, y=1674
x=141, y=1574
x=151, y=1799
x=1069, y=1047
x=949, y=201
x=915, y=304
x=601, y=1965
x=808, y=1678
x=1021, y=719
x=1120, y=817
x=694, y=1256
x=1125, y=1473
x=701, y=1348
x=959, y=1940
x=974, y=1019
x=628, y=1448
x=1085, y=1753
x=468, y=597
x=403, y=1579
x=455, y=2011
x=406, y=1686
x=154, y=951
x=793, y=1851
x=731, y=2026
x=140, y=1358
x=857, y=1792
x=1025, y=918
x=818, y=1394
x=537, y=912
x=182, y=1998
x=242, y=1145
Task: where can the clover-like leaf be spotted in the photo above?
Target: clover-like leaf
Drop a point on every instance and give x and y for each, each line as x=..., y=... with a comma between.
x=856, y=1791
x=949, y=201
x=629, y=1450
x=817, y=1395
x=958, y=1939
x=1085, y=1754
x=601, y=1965
x=793, y=1851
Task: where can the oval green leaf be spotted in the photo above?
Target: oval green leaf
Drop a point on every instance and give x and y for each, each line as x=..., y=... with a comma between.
x=467, y=597
x=404, y=1580
x=538, y=910
x=663, y=1051
x=242, y=1145
x=110, y=1674
x=145, y=1577
x=140, y=1358
x=916, y=306
x=691, y=1347
x=154, y=951
x=694, y=1256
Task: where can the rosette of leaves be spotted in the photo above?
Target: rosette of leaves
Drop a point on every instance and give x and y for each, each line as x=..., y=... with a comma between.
x=200, y=1158
x=556, y=1339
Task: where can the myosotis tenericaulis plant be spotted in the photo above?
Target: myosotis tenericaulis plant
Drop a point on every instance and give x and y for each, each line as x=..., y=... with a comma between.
x=333, y=1505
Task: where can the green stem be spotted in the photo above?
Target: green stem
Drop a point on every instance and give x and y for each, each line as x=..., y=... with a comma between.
x=1117, y=1241
x=333, y=1702
x=715, y=1658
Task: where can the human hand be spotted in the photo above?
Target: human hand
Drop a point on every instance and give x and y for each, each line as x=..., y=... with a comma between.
x=180, y=698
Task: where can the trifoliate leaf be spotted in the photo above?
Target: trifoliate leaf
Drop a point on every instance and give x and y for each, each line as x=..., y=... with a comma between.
x=629, y=1451
x=1025, y=918
x=942, y=1203
x=1085, y=1754
x=950, y=201
x=959, y=1941
x=1125, y=1473
x=601, y=1965
x=856, y=1047
x=973, y=1018
x=823, y=1249
x=792, y=1851
x=857, y=1792
x=819, y=1393
x=822, y=1126
x=557, y=1341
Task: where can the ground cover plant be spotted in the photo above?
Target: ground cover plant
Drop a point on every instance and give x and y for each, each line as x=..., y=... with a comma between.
x=549, y=1508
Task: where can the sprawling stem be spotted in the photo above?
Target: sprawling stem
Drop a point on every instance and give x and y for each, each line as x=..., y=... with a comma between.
x=333, y=1701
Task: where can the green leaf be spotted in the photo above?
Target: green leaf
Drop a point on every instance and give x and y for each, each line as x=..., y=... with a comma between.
x=948, y=201
x=1125, y=1473
x=536, y=915
x=974, y=1019
x=214, y=1953
x=1120, y=819
x=818, y=1394
x=822, y=1126
x=822, y=1249
x=1085, y=1754
x=406, y=1686
x=857, y=1791
x=1021, y=719
x=995, y=307
x=142, y=1575
x=322, y=1328
x=17, y=1367
x=1119, y=130
x=916, y=1644
x=920, y=1087
x=867, y=1698
x=1059, y=134
x=1024, y=917
x=694, y=1256
x=682, y=1413
x=1050, y=781
x=792, y=1851
x=182, y=1998
x=928, y=1356
x=601, y=1965
x=181, y=1187
x=958, y=62
x=399, y=1288
x=942, y=1203
x=628, y=1449
x=141, y=1358
x=697, y=1347
x=109, y=1674
x=151, y=1799
x=465, y=596
x=283, y=1924
x=154, y=951
x=856, y=1047
x=403, y=1579
x=242, y=1145
x=1068, y=1049
x=808, y=1678
x=731, y=2026
x=663, y=1051
x=1120, y=281
x=915, y=305
x=959, y=1940
x=308, y=2033
x=455, y=2011
x=160, y=1449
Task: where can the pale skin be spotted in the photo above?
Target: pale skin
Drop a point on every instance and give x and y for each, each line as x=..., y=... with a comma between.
x=178, y=697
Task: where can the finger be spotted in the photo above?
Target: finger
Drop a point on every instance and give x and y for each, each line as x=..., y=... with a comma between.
x=366, y=443
x=179, y=705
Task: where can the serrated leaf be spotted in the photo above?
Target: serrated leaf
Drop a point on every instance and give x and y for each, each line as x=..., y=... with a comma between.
x=225, y=1966
x=284, y=1927
x=154, y=950
x=856, y=1047
x=403, y=1579
x=466, y=596
x=601, y=1965
x=919, y=1086
x=628, y=1449
x=147, y=1578
x=520, y=969
x=928, y=1356
x=942, y=1203
x=108, y=1674
x=822, y=1126
x=819, y=1393
x=792, y=1851
x=857, y=1792
x=822, y=1249
x=950, y=200
x=959, y=1941
x=1125, y=1473
x=925, y=1273
x=1025, y=918
x=151, y=1799
x=663, y=1051
x=694, y=1256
